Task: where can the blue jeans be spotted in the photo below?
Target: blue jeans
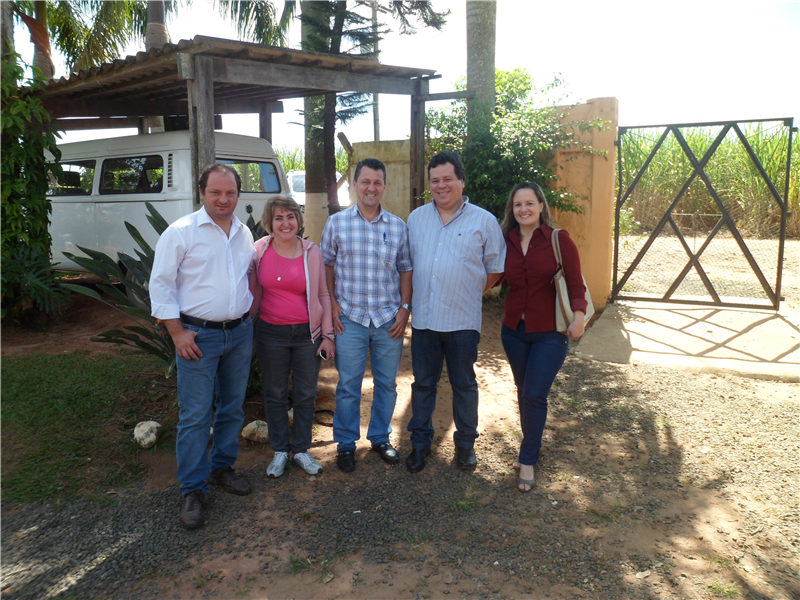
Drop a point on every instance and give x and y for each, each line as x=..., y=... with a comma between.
x=535, y=360
x=352, y=348
x=285, y=349
x=224, y=368
x=428, y=350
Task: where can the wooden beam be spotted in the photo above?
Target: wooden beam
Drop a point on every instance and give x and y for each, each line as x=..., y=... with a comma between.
x=102, y=123
x=418, y=144
x=447, y=96
x=203, y=96
x=257, y=73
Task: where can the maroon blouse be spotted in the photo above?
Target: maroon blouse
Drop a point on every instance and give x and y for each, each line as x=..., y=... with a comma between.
x=531, y=291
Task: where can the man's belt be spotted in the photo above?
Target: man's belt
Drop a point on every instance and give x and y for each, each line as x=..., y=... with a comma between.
x=224, y=325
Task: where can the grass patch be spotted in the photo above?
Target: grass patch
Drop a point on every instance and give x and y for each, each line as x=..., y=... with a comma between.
x=465, y=504
x=724, y=590
x=68, y=423
x=299, y=565
x=719, y=561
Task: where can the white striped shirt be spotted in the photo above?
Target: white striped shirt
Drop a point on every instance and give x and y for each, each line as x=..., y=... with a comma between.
x=451, y=261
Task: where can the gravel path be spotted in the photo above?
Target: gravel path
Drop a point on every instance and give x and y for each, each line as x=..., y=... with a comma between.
x=653, y=484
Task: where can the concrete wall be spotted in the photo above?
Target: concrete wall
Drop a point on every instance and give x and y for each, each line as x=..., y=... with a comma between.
x=395, y=155
x=592, y=175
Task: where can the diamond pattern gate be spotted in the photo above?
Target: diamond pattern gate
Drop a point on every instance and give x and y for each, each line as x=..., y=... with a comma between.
x=701, y=212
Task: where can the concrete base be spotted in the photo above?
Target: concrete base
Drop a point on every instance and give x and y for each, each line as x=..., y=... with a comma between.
x=751, y=343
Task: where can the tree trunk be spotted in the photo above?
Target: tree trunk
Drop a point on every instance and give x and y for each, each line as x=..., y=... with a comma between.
x=316, y=196
x=41, y=53
x=481, y=33
x=6, y=28
x=156, y=32
x=329, y=117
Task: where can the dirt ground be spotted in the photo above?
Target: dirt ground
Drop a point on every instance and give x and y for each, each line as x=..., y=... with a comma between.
x=627, y=506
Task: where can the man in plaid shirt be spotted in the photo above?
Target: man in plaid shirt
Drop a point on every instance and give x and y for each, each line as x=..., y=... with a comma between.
x=368, y=269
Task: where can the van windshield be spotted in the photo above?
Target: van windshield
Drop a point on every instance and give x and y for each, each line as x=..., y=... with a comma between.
x=75, y=179
x=258, y=177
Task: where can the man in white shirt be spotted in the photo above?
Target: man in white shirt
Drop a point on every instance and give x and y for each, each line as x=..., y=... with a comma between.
x=199, y=289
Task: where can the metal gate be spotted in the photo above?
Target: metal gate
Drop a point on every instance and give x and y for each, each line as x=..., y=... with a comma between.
x=701, y=212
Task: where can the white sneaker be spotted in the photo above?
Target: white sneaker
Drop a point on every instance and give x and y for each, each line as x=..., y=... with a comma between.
x=278, y=464
x=308, y=464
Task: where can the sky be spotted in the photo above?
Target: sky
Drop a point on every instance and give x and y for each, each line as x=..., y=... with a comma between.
x=676, y=61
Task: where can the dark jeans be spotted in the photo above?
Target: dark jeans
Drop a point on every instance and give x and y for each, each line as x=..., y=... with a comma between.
x=284, y=349
x=428, y=350
x=535, y=360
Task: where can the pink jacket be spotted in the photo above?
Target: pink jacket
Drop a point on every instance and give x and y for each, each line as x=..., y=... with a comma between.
x=319, y=300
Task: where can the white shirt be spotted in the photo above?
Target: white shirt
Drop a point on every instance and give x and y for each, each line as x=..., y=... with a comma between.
x=200, y=271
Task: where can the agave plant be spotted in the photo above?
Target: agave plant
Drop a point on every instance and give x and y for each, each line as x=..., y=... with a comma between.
x=148, y=335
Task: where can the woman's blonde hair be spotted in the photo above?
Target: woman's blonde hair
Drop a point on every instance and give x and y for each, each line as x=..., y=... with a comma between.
x=280, y=201
x=509, y=222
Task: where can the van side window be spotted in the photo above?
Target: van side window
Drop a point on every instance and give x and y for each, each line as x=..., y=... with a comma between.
x=75, y=180
x=256, y=176
x=135, y=175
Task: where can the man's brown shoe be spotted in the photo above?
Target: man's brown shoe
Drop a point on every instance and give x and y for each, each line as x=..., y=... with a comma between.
x=230, y=481
x=192, y=510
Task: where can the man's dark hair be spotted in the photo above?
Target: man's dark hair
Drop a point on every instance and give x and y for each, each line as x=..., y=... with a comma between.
x=370, y=163
x=219, y=168
x=445, y=157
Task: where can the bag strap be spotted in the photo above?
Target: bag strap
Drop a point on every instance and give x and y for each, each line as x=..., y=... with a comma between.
x=557, y=248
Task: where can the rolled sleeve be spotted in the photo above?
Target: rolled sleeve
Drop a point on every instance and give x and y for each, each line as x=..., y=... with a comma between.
x=494, y=253
x=404, y=255
x=164, y=276
x=327, y=245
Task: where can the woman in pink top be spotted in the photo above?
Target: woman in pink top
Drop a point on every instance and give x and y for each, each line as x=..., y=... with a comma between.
x=293, y=333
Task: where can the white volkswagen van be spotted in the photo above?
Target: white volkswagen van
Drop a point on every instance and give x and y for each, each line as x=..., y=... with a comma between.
x=107, y=182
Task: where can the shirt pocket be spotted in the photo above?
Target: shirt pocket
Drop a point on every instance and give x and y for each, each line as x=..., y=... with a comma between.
x=463, y=246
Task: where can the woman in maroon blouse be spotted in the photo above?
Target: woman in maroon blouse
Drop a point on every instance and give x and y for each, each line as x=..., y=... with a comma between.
x=534, y=348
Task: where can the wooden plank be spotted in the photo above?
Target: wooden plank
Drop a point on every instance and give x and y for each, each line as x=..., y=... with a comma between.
x=447, y=96
x=102, y=123
x=257, y=73
x=203, y=99
x=417, y=157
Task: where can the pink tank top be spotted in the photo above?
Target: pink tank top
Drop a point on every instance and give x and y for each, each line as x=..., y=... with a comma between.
x=283, y=302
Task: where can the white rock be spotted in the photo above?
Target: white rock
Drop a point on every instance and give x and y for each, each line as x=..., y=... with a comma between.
x=256, y=432
x=146, y=433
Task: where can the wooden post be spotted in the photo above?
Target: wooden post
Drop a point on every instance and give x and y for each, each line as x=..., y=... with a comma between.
x=204, y=85
x=417, y=158
x=265, y=119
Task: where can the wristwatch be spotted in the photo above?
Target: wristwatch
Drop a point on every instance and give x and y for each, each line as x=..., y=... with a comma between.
x=407, y=306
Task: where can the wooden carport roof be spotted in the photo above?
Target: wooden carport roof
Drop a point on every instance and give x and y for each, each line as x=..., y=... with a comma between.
x=245, y=77
x=205, y=76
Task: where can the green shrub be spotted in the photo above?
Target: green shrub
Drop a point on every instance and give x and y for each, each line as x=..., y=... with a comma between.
x=26, y=261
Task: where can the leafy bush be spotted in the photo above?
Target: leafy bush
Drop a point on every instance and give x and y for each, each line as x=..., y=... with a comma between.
x=518, y=145
x=149, y=335
x=26, y=260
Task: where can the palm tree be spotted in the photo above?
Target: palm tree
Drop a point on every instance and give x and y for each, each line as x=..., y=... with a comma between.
x=481, y=28
x=85, y=32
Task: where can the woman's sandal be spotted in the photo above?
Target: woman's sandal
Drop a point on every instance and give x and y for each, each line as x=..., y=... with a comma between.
x=528, y=482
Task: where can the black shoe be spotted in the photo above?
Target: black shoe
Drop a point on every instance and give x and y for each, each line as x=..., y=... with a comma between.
x=416, y=460
x=465, y=459
x=192, y=510
x=388, y=454
x=346, y=460
x=230, y=481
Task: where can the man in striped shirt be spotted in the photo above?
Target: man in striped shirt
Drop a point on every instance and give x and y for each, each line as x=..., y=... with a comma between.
x=368, y=269
x=458, y=252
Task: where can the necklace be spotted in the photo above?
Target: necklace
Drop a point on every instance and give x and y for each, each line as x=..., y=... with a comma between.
x=281, y=275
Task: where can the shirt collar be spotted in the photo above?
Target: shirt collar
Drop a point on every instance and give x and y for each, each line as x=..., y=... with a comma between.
x=204, y=218
x=357, y=213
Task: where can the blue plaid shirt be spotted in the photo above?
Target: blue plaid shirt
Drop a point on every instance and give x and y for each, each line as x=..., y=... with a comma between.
x=367, y=257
